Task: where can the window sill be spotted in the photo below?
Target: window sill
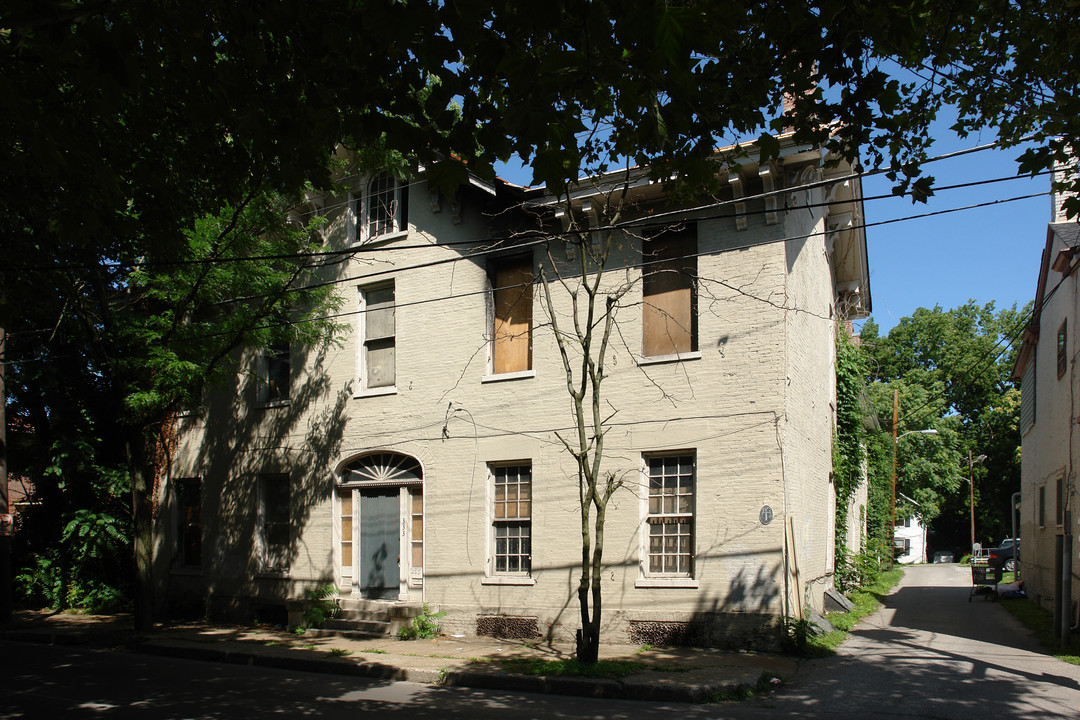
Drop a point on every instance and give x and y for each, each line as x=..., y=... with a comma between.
x=666, y=582
x=273, y=575
x=188, y=571
x=501, y=377
x=274, y=404
x=661, y=359
x=376, y=392
x=386, y=237
x=508, y=580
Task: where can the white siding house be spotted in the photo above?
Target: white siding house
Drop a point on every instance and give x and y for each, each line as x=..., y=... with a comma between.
x=1050, y=406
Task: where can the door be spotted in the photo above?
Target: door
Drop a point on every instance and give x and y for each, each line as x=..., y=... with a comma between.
x=380, y=549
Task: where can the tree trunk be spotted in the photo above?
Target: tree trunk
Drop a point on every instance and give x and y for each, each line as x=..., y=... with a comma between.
x=140, y=466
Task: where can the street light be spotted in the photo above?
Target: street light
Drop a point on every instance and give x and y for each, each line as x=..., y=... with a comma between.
x=895, y=442
x=971, y=479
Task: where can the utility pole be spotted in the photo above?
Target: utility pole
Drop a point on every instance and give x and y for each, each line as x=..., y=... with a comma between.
x=892, y=495
x=971, y=480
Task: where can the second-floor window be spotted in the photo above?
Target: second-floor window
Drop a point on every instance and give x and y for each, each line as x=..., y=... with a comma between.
x=274, y=371
x=378, y=345
x=669, y=294
x=511, y=315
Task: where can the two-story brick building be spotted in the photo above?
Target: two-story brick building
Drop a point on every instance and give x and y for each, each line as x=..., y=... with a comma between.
x=418, y=460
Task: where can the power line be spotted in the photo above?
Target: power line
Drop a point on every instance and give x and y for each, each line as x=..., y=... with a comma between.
x=650, y=221
x=545, y=239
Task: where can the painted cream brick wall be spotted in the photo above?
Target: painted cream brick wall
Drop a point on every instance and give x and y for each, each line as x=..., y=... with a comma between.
x=764, y=380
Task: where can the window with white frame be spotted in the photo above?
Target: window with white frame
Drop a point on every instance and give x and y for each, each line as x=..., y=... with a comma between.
x=511, y=519
x=378, y=210
x=378, y=346
x=275, y=367
x=670, y=515
x=273, y=530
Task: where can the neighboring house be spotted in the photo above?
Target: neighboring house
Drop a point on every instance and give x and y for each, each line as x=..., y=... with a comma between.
x=417, y=461
x=1050, y=405
x=910, y=540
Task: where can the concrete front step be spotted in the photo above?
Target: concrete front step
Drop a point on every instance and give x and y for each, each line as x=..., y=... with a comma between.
x=362, y=618
x=368, y=627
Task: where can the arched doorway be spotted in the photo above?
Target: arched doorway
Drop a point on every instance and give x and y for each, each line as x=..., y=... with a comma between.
x=380, y=523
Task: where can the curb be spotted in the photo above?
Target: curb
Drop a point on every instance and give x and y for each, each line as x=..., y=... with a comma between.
x=603, y=688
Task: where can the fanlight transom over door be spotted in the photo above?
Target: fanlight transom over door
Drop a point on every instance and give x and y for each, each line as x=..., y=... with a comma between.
x=380, y=514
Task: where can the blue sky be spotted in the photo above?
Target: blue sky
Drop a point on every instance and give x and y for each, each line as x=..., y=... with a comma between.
x=985, y=254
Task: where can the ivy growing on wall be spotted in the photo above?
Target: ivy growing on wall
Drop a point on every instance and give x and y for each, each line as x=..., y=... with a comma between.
x=849, y=440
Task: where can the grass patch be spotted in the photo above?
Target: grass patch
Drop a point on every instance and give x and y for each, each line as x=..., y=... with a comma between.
x=373, y=651
x=603, y=669
x=766, y=682
x=1041, y=622
x=340, y=652
x=866, y=601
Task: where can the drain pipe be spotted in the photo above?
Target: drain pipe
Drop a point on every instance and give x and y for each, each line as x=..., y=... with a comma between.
x=1013, y=504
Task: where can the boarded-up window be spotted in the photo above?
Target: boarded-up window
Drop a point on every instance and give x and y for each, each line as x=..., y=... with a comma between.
x=511, y=333
x=669, y=294
x=379, y=346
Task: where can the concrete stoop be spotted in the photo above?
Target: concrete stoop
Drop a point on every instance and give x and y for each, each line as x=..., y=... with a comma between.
x=362, y=618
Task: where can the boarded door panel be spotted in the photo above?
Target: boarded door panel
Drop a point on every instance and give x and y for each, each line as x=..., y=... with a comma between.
x=379, y=548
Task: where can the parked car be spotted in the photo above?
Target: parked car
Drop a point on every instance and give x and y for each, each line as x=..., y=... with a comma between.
x=1007, y=553
x=943, y=556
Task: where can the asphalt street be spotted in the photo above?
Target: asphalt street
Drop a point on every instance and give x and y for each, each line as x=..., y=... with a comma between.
x=928, y=653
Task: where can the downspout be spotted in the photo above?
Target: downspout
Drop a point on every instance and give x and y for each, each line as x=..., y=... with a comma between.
x=784, y=525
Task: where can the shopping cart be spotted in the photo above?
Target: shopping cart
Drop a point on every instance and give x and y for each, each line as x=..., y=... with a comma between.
x=985, y=576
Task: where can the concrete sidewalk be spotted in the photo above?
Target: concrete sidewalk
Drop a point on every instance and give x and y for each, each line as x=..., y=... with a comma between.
x=668, y=674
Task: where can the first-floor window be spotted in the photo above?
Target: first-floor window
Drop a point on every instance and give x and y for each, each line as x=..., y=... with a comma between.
x=1059, y=493
x=189, y=522
x=273, y=522
x=1041, y=506
x=670, y=518
x=512, y=519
